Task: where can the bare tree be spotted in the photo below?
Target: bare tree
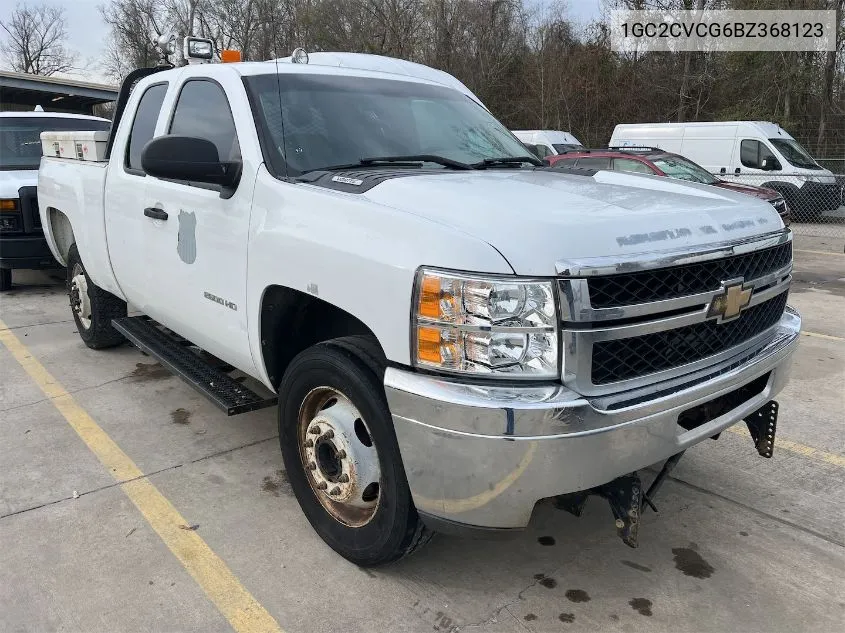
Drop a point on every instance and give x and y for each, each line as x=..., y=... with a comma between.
x=135, y=26
x=35, y=40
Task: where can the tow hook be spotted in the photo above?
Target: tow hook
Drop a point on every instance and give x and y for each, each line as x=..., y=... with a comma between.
x=626, y=498
x=625, y=494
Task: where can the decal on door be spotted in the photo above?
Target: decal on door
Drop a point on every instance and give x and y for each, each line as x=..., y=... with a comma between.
x=186, y=244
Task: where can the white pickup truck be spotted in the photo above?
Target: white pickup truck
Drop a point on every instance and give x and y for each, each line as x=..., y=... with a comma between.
x=451, y=330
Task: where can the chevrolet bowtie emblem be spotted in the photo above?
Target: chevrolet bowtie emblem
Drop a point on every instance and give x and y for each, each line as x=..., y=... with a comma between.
x=732, y=300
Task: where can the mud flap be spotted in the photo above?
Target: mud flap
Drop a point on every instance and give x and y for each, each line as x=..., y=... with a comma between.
x=762, y=425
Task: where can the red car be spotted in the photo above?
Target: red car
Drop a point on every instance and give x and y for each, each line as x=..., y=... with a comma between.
x=658, y=162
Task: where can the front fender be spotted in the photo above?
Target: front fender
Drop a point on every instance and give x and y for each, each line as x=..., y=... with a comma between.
x=352, y=253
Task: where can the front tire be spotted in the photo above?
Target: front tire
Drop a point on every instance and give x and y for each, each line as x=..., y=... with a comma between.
x=93, y=308
x=342, y=457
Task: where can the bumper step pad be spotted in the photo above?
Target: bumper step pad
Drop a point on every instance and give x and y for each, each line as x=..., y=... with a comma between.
x=175, y=354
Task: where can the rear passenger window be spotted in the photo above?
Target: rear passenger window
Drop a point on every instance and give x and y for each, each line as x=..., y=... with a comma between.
x=594, y=163
x=566, y=162
x=144, y=125
x=202, y=111
x=629, y=164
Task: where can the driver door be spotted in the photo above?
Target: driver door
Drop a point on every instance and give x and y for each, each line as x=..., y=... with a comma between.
x=196, y=256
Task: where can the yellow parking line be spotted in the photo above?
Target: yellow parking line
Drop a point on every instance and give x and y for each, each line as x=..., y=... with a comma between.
x=799, y=250
x=829, y=337
x=797, y=447
x=221, y=586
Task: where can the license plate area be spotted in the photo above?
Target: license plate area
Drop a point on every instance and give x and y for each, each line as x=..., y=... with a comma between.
x=703, y=413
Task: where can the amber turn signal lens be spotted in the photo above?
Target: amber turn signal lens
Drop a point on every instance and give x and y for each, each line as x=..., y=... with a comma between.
x=8, y=205
x=430, y=297
x=428, y=344
x=228, y=56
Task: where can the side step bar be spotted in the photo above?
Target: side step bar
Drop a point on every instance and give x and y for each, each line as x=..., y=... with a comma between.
x=223, y=390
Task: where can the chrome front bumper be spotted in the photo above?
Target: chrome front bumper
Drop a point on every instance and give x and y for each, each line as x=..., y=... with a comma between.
x=482, y=456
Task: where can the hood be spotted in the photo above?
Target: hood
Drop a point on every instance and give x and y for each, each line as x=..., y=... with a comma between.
x=537, y=217
x=758, y=192
x=13, y=179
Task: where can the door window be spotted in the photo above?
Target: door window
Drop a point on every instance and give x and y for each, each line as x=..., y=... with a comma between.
x=752, y=153
x=629, y=164
x=144, y=125
x=202, y=111
x=594, y=163
x=566, y=162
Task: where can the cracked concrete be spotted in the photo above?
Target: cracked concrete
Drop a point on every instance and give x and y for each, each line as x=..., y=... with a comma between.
x=740, y=543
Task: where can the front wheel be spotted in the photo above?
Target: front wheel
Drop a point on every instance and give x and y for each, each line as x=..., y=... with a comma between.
x=93, y=308
x=341, y=454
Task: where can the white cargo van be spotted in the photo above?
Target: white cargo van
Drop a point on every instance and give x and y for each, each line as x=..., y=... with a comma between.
x=548, y=142
x=755, y=152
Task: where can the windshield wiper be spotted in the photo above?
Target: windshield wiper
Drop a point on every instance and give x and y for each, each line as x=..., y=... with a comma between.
x=410, y=160
x=507, y=160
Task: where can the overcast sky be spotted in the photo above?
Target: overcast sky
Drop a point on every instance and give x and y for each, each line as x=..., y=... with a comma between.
x=87, y=32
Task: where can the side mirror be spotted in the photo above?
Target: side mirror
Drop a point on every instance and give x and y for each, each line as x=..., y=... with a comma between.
x=190, y=159
x=770, y=164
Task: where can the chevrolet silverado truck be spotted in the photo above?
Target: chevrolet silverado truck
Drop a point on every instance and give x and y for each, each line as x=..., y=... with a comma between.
x=22, y=243
x=450, y=330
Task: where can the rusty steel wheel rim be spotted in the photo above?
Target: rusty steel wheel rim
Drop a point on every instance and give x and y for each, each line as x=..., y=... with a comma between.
x=80, y=302
x=339, y=456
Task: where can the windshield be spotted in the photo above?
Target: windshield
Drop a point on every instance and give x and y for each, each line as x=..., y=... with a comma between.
x=683, y=169
x=566, y=147
x=319, y=121
x=20, y=137
x=794, y=153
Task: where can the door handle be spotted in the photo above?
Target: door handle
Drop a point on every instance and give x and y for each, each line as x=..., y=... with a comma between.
x=155, y=214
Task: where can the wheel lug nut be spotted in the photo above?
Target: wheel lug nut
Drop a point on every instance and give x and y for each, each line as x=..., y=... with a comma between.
x=343, y=479
x=312, y=466
x=328, y=435
x=322, y=485
x=314, y=430
x=309, y=443
x=334, y=491
x=341, y=454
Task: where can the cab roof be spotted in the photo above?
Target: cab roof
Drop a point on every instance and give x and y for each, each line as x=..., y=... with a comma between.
x=361, y=64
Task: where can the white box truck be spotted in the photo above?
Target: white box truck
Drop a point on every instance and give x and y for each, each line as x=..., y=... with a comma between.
x=755, y=152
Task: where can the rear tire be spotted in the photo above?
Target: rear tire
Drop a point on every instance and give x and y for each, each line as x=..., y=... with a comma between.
x=93, y=308
x=5, y=279
x=333, y=414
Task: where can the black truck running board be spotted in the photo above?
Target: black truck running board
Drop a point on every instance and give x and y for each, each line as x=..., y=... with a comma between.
x=173, y=353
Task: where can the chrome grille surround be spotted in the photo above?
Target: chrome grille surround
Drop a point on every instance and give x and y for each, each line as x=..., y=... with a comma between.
x=583, y=325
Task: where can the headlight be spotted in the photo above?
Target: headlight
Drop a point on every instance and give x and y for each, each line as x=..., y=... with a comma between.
x=485, y=325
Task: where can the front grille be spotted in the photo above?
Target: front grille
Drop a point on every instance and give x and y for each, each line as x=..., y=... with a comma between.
x=678, y=281
x=628, y=358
